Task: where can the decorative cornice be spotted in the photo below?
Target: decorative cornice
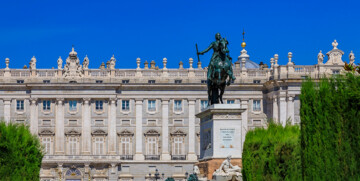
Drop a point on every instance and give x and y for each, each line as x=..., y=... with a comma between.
x=126, y=133
x=73, y=132
x=99, y=132
x=178, y=133
x=152, y=132
x=46, y=132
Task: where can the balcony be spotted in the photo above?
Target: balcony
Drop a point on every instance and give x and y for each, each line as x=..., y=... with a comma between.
x=152, y=157
x=178, y=157
x=126, y=157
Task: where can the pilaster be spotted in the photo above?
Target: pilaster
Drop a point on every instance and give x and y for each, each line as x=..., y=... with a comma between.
x=275, y=110
x=112, y=127
x=191, y=153
x=34, y=125
x=290, y=110
x=86, y=127
x=7, y=110
x=282, y=109
x=244, y=121
x=59, y=127
x=138, y=136
x=165, y=130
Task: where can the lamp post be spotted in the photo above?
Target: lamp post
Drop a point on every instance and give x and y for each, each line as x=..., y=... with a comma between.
x=156, y=175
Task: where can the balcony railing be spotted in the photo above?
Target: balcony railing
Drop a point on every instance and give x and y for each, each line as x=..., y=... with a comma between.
x=126, y=157
x=152, y=157
x=178, y=157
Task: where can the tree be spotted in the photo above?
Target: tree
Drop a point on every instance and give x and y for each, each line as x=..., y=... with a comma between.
x=272, y=153
x=330, y=128
x=20, y=153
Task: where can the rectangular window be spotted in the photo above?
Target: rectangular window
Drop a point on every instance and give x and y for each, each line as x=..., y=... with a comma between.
x=257, y=122
x=152, y=146
x=99, y=105
x=336, y=71
x=98, y=122
x=125, y=105
x=73, y=122
x=99, y=146
x=151, y=81
x=204, y=104
x=256, y=105
x=46, y=141
x=178, y=146
x=20, y=105
x=72, y=105
x=178, y=122
x=178, y=81
x=125, y=81
x=46, y=81
x=230, y=101
x=256, y=81
x=46, y=105
x=99, y=81
x=46, y=122
x=151, y=105
x=125, y=146
x=151, y=122
x=20, y=81
x=73, y=146
x=125, y=122
x=20, y=121
x=177, y=105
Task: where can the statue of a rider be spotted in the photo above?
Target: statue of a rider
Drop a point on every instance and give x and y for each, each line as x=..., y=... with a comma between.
x=219, y=69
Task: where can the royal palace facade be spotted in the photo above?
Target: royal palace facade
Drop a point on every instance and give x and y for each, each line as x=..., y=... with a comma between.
x=124, y=124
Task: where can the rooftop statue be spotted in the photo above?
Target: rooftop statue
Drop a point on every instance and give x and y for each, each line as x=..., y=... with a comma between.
x=219, y=69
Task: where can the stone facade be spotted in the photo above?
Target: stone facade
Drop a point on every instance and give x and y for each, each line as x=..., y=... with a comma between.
x=122, y=124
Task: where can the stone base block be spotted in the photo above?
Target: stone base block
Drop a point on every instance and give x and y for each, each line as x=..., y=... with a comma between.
x=227, y=178
x=139, y=156
x=208, y=167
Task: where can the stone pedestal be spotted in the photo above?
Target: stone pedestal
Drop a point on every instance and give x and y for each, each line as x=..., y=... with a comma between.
x=221, y=134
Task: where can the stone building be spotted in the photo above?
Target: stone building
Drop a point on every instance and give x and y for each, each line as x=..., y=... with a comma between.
x=122, y=124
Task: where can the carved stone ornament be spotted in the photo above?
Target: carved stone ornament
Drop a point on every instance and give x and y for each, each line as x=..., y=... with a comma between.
x=126, y=133
x=72, y=68
x=152, y=132
x=73, y=133
x=99, y=132
x=178, y=133
x=335, y=55
x=47, y=132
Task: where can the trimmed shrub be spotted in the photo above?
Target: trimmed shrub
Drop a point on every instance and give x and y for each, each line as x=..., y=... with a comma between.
x=272, y=153
x=20, y=153
x=330, y=128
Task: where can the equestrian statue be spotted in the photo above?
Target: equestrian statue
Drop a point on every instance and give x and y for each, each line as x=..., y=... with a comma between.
x=220, y=71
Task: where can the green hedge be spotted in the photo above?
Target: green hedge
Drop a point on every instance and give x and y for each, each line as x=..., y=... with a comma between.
x=272, y=154
x=330, y=128
x=20, y=153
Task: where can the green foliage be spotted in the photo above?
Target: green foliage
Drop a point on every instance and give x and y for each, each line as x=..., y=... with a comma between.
x=330, y=128
x=272, y=153
x=20, y=153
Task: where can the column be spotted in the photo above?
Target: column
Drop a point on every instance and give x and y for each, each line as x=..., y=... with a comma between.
x=165, y=130
x=86, y=127
x=283, y=111
x=112, y=127
x=275, y=110
x=34, y=124
x=244, y=121
x=7, y=110
x=290, y=110
x=59, y=127
x=138, y=147
x=191, y=153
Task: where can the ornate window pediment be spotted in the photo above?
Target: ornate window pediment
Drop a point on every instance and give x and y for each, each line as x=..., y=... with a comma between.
x=73, y=133
x=152, y=132
x=126, y=133
x=46, y=132
x=99, y=132
x=178, y=133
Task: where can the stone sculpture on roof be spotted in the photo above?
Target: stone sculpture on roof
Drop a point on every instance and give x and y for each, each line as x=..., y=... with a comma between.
x=72, y=68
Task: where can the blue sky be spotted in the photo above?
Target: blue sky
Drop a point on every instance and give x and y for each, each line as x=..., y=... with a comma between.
x=153, y=30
